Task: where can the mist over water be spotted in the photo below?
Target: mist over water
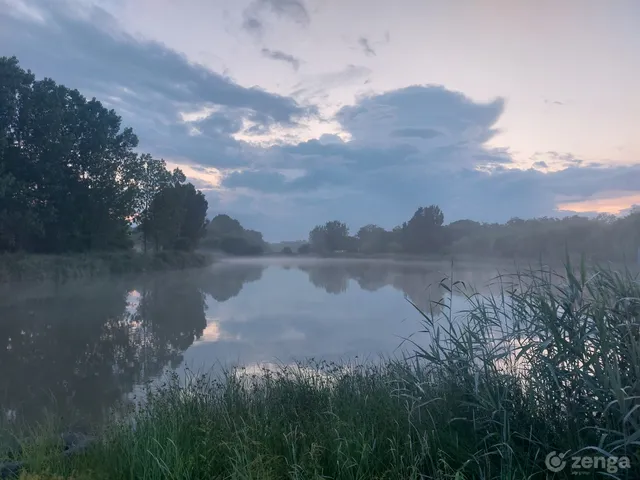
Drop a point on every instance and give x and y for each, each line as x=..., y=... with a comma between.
x=80, y=348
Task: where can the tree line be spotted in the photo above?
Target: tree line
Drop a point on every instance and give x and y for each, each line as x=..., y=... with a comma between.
x=71, y=180
x=605, y=237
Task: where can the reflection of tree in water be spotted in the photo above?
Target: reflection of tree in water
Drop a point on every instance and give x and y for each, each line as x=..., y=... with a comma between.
x=80, y=353
x=369, y=276
x=72, y=349
x=420, y=285
x=226, y=281
x=331, y=277
x=171, y=313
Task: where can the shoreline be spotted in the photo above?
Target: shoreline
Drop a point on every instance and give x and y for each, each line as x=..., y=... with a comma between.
x=21, y=268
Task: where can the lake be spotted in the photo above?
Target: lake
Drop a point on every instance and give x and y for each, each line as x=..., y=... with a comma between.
x=80, y=348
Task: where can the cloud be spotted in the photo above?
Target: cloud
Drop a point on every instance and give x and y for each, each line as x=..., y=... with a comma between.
x=557, y=160
x=311, y=88
x=425, y=133
x=294, y=10
x=149, y=84
x=78, y=50
x=408, y=147
x=461, y=124
x=281, y=56
x=366, y=46
x=252, y=25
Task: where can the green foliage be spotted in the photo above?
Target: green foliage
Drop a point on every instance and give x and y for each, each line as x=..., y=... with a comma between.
x=424, y=232
x=70, y=180
x=605, y=237
x=153, y=179
x=278, y=246
x=331, y=237
x=176, y=218
x=602, y=238
x=226, y=234
x=69, y=171
x=373, y=239
x=304, y=249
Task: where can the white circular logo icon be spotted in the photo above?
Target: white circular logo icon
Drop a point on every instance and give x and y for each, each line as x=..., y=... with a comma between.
x=555, y=461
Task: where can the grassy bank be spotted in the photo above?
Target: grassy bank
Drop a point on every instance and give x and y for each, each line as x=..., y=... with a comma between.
x=546, y=364
x=27, y=267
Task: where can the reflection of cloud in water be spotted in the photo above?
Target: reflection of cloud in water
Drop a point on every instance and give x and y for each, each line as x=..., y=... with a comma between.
x=285, y=316
x=331, y=310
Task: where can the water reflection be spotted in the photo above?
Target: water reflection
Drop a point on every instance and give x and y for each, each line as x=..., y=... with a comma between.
x=64, y=350
x=419, y=284
x=80, y=348
x=225, y=281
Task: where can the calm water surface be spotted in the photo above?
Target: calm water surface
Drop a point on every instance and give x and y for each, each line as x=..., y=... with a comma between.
x=80, y=348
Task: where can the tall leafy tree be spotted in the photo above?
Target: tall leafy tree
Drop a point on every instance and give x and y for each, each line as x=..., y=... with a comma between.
x=69, y=172
x=154, y=177
x=71, y=180
x=373, y=239
x=227, y=234
x=330, y=237
x=176, y=218
x=423, y=233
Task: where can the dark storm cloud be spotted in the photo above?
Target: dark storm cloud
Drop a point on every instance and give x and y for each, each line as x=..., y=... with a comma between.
x=282, y=57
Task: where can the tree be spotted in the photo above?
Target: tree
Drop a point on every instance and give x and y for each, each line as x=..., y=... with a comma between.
x=194, y=220
x=337, y=233
x=304, y=249
x=318, y=239
x=68, y=172
x=423, y=233
x=227, y=234
x=223, y=225
x=70, y=179
x=176, y=217
x=154, y=178
x=330, y=237
x=373, y=239
x=287, y=251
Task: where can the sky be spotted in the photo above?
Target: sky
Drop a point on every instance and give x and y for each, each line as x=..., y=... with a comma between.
x=290, y=113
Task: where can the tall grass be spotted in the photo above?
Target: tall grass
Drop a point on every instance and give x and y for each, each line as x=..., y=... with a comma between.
x=547, y=363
